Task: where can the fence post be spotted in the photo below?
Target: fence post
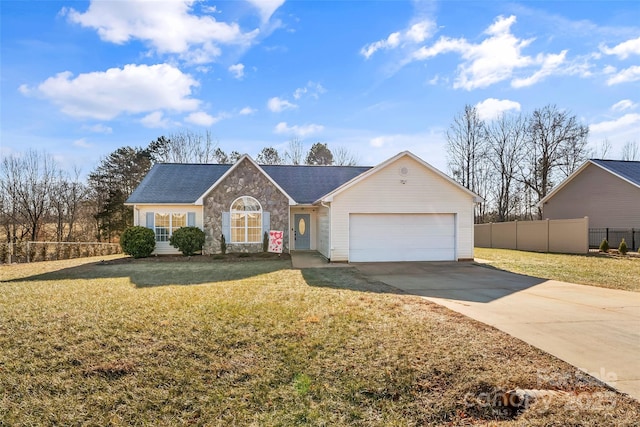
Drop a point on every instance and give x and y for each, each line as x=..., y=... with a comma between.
x=633, y=239
x=606, y=230
x=28, y=251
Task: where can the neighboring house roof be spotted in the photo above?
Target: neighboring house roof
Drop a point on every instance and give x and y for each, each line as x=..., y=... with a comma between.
x=328, y=197
x=626, y=170
x=168, y=183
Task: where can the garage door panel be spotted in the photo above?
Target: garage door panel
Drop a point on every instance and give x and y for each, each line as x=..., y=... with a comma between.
x=401, y=237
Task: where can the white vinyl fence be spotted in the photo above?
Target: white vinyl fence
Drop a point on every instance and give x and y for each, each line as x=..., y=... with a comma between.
x=21, y=252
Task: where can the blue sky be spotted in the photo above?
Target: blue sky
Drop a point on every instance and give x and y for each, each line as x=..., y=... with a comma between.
x=82, y=78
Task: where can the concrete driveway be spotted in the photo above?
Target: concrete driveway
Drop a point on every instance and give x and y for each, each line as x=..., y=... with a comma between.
x=594, y=329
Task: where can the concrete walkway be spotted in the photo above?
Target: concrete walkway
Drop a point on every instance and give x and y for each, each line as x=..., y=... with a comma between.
x=596, y=330
x=312, y=259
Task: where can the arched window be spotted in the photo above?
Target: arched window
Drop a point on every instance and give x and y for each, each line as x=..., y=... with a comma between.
x=246, y=220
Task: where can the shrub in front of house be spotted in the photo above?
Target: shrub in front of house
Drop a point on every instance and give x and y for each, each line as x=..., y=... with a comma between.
x=139, y=242
x=265, y=242
x=223, y=244
x=187, y=240
x=604, y=246
x=623, y=247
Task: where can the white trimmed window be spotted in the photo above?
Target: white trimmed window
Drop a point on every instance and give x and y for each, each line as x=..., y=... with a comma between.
x=246, y=220
x=166, y=223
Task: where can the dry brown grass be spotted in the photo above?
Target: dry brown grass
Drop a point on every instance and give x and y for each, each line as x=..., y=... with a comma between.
x=259, y=343
x=606, y=271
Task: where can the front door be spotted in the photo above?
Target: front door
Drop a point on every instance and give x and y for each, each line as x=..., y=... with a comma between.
x=302, y=231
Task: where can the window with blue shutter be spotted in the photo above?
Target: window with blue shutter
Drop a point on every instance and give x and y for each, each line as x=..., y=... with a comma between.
x=150, y=216
x=226, y=226
x=266, y=222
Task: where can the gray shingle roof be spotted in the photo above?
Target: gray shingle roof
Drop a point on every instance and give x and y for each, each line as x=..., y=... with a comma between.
x=185, y=183
x=176, y=183
x=629, y=170
x=306, y=184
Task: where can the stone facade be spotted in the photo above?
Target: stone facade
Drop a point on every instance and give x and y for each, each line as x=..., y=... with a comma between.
x=244, y=180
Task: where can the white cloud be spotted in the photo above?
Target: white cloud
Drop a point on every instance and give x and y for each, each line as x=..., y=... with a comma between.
x=247, y=111
x=379, y=141
x=496, y=58
x=98, y=128
x=492, y=108
x=266, y=7
x=82, y=143
x=301, y=131
x=624, y=122
x=201, y=118
x=312, y=89
x=550, y=65
x=625, y=104
x=627, y=75
x=277, y=105
x=624, y=49
x=167, y=26
x=155, y=120
x=416, y=33
x=132, y=89
x=237, y=70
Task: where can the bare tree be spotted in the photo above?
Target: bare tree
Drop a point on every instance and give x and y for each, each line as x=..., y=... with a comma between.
x=630, y=151
x=466, y=152
x=506, y=148
x=602, y=150
x=68, y=195
x=557, y=146
x=28, y=180
x=295, y=152
x=184, y=147
x=344, y=157
x=269, y=156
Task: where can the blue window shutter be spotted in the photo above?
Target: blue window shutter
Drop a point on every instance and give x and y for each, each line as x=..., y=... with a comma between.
x=226, y=226
x=191, y=219
x=266, y=222
x=150, y=220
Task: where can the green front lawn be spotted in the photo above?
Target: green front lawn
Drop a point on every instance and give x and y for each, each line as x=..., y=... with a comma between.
x=606, y=271
x=258, y=343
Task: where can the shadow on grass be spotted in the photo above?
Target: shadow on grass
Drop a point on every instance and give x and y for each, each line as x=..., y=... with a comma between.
x=147, y=273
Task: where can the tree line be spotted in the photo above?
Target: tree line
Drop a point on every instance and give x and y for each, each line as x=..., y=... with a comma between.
x=39, y=201
x=514, y=161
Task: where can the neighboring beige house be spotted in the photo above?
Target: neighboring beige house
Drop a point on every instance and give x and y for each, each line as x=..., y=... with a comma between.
x=401, y=210
x=607, y=191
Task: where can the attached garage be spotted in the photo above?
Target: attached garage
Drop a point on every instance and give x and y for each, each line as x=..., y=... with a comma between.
x=402, y=237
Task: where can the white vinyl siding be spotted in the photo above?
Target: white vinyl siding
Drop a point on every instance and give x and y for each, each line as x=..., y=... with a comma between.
x=422, y=192
x=401, y=237
x=324, y=231
x=145, y=213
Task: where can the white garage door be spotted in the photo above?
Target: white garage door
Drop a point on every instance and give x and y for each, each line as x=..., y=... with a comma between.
x=401, y=237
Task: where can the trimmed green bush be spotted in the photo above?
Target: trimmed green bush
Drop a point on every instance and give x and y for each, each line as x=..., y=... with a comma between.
x=138, y=241
x=187, y=240
x=223, y=244
x=265, y=242
x=623, y=247
x=604, y=246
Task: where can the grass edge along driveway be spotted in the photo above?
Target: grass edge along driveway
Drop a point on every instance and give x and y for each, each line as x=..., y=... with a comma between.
x=606, y=271
x=258, y=343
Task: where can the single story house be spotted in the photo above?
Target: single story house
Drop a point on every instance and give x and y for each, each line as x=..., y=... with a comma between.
x=401, y=210
x=607, y=191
